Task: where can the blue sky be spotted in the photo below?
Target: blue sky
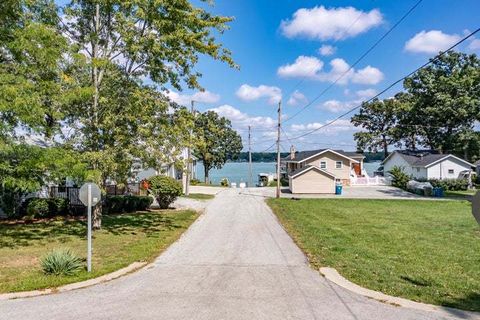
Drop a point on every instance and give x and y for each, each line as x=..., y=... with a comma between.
x=278, y=45
x=267, y=35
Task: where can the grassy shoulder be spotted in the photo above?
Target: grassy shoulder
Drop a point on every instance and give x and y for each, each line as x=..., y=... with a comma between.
x=199, y=196
x=426, y=251
x=123, y=240
x=463, y=194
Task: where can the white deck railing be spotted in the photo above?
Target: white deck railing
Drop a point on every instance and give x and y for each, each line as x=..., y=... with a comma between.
x=369, y=181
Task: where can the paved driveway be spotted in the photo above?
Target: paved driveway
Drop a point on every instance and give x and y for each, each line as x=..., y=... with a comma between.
x=235, y=262
x=349, y=192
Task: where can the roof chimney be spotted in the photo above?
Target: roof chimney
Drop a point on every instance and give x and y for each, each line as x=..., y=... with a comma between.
x=292, y=153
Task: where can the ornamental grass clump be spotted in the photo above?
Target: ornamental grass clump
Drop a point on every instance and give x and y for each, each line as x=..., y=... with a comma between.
x=61, y=262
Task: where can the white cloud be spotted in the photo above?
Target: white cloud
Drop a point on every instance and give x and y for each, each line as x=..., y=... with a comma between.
x=241, y=120
x=474, y=44
x=296, y=98
x=201, y=97
x=311, y=67
x=334, y=23
x=431, y=42
x=337, y=106
x=249, y=93
x=368, y=75
x=366, y=94
x=302, y=67
x=336, y=127
x=327, y=50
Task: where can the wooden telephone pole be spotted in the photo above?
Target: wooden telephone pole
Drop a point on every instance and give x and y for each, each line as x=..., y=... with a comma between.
x=250, y=174
x=278, y=147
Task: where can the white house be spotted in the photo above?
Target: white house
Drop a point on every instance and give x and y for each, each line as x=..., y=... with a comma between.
x=427, y=165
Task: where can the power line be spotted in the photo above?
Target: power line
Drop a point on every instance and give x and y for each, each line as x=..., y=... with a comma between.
x=390, y=86
x=357, y=61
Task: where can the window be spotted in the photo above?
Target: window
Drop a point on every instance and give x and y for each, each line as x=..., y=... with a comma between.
x=338, y=164
x=451, y=171
x=323, y=165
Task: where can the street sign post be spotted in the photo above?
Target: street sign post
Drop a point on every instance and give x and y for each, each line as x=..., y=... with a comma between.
x=89, y=195
x=476, y=206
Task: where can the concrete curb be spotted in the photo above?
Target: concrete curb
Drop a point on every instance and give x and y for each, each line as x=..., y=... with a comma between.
x=332, y=275
x=77, y=285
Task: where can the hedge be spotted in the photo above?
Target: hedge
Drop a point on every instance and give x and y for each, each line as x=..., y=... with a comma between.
x=126, y=204
x=45, y=207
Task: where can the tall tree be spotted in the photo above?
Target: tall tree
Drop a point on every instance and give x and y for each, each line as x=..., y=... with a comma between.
x=445, y=99
x=217, y=141
x=124, y=42
x=378, y=119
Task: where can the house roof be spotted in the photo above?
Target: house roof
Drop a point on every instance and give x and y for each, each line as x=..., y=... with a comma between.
x=304, y=155
x=301, y=171
x=423, y=158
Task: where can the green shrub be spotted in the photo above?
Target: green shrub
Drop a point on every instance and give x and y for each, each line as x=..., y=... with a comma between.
x=130, y=203
x=144, y=203
x=61, y=262
x=224, y=182
x=165, y=190
x=194, y=182
x=399, y=177
x=58, y=206
x=450, y=184
x=38, y=208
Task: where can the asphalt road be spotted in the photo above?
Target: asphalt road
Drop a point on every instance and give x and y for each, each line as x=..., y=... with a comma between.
x=235, y=262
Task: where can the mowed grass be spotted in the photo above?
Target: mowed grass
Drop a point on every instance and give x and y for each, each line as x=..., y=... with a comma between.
x=426, y=251
x=123, y=240
x=199, y=196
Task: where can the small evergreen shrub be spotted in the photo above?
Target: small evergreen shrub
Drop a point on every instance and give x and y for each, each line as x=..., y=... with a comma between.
x=127, y=204
x=165, y=190
x=61, y=262
x=399, y=177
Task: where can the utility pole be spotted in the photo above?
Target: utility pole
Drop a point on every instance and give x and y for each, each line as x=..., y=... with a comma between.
x=250, y=181
x=278, y=146
x=189, y=155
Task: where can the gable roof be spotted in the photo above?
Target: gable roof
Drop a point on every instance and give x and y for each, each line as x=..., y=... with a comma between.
x=301, y=171
x=304, y=155
x=423, y=158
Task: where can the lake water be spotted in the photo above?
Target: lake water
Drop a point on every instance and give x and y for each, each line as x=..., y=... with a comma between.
x=238, y=171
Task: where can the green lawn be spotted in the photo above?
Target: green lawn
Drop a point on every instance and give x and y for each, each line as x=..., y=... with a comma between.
x=123, y=239
x=460, y=193
x=199, y=196
x=427, y=251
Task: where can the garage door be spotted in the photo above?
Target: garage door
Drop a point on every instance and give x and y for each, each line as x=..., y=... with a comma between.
x=313, y=181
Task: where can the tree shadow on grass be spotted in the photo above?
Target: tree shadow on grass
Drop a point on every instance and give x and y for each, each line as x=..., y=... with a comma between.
x=470, y=301
x=147, y=223
x=14, y=236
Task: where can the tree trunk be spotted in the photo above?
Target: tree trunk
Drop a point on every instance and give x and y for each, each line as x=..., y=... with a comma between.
x=385, y=148
x=206, y=169
x=97, y=217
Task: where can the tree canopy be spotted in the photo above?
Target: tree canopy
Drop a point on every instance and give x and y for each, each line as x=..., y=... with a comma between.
x=217, y=141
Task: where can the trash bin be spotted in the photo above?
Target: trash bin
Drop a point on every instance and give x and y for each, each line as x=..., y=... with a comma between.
x=435, y=192
x=440, y=192
x=338, y=189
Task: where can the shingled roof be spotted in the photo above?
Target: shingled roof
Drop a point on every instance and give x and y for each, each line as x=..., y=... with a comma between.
x=302, y=155
x=421, y=158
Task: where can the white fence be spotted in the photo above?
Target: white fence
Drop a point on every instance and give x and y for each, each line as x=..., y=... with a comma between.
x=369, y=181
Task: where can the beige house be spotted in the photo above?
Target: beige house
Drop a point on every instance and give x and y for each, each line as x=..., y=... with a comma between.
x=318, y=171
